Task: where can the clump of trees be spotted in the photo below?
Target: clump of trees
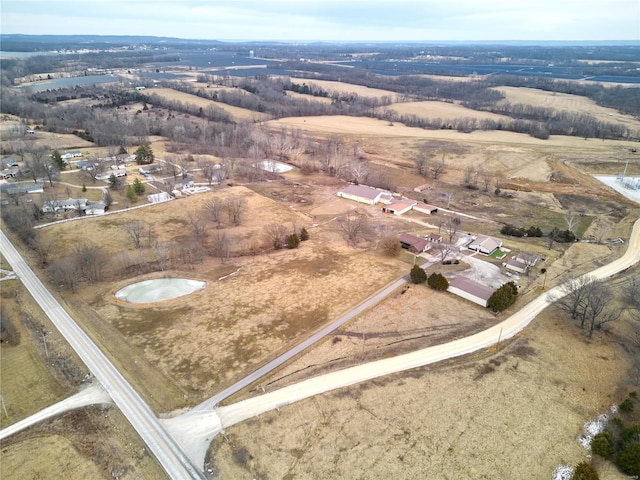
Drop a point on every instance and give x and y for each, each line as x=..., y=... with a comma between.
x=588, y=301
x=503, y=297
x=437, y=281
x=520, y=231
x=620, y=443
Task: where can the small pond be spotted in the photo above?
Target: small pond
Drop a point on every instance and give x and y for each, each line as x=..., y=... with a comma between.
x=157, y=290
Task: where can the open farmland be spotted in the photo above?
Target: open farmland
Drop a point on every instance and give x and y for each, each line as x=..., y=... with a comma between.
x=204, y=341
x=443, y=110
x=344, y=88
x=565, y=101
x=237, y=113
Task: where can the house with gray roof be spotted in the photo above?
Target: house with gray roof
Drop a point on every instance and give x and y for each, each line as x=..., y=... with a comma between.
x=362, y=194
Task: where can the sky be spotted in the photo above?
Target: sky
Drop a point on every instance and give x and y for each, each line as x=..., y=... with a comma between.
x=330, y=20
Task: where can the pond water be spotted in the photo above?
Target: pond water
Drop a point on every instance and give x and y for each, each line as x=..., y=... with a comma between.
x=275, y=167
x=157, y=290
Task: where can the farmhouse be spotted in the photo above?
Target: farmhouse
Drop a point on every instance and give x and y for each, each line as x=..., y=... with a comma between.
x=398, y=207
x=362, y=194
x=412, y=243
x=484, y=244
x=10, y=172
x=95, y=208
x=472, y=291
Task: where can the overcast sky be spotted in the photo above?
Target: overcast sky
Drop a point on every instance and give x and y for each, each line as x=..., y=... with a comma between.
x=339, y=20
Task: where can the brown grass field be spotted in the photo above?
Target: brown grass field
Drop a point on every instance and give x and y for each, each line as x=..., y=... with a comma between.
x=344, y=88
x=513, y=412
x=443, y=110
x=565, y=101
x=236, y=112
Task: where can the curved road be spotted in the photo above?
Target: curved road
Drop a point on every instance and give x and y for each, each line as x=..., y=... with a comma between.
x=168, y=453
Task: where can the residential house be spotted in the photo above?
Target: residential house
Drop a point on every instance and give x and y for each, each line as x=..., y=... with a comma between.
x=184, y=183
x=521, y=262
x=485, y=244
x=362, y=194
x=473, y=291
x=21, y=188
x=433, y=238
x=55, y=206
x=412, y=243
x=12, y=172
x=8, y=162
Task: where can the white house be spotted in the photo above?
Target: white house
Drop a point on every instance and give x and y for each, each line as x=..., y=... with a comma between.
x=484, y=244
x=473, y=291
x=362, y=194
x=521, y=262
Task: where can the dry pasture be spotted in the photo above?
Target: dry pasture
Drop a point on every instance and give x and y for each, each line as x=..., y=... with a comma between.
x=346, y=88
x=442, y=110
x=237, y=113
x=566, y=101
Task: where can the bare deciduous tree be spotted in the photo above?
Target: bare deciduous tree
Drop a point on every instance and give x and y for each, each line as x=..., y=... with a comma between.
x=221, y=245
x=214, y=209
x=444, y=250
x=235, y=207
x=277, y=234
x=438, y=168
x=90, y=261
x=572, y=220
x=451, y=227
x=421, y=162
x=198, y=225
x=355, y=227
x=64, y=273
x=136, y=230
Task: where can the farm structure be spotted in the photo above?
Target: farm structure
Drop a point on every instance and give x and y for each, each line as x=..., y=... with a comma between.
x=472, y=291
x=394, y=204
x=413, y=244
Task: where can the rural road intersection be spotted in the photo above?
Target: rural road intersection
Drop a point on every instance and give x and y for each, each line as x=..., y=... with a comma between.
x=191, y=433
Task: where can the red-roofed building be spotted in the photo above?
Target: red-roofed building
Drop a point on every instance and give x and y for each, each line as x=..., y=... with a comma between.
x=473, y=291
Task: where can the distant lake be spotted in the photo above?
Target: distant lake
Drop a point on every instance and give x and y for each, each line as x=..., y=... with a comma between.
x=4, y=54
x=71, y=82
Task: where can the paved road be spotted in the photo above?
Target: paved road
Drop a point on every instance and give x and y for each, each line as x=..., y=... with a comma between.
x=232, y=414
x=89, y=396
x=168, y=453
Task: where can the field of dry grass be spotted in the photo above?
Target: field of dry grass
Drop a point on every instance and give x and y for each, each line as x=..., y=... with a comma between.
x=442, y=110
x=565, y=101
x=346, y=88
x=513, y=413
x=237, y=113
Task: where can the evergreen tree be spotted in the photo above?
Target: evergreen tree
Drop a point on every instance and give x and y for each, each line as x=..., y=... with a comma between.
x=293, y=241
x=144, y=154
x=503, y=297
x=437, y=281
x=113, y=182
x=138, y=186
x=584, y=471
x=130, y=193
x=304, y=235
x=58, y=160
x=418, y=275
